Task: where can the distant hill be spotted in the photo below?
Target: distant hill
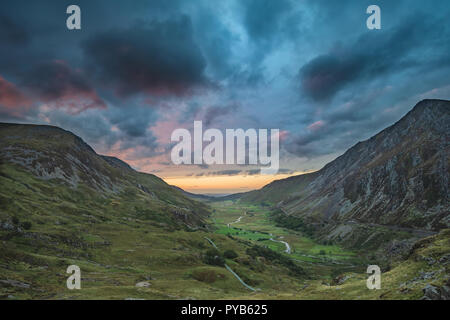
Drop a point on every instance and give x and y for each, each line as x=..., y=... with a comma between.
x=191, y=195
x=211, y=198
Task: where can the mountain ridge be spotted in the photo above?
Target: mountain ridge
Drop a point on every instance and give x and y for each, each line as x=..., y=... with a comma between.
x=398, y=177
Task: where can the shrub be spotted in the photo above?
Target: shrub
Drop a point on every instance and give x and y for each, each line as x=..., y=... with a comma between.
x=230, y=254
x=291, y=222
x=250, y=281
x=15, y=220
x=213, y=257
x=26, y=225
x=208, y=276
x=275, y=257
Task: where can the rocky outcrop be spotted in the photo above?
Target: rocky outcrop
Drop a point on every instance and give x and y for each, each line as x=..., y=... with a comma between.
x=431, y=292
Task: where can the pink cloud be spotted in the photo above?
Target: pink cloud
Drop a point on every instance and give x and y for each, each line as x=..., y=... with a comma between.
x=162, y=130
x=316, y=125
x=12, y=101
x=283, y=135
x=60, y=86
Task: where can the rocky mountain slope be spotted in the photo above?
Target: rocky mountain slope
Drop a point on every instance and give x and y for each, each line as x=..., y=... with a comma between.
x=62, y=159
x=398, y=178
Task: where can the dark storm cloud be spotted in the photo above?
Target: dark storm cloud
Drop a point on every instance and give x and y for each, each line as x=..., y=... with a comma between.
x=372, y=55
x=135, y=55
x=159, y=57
x=142, y=147
x=356, y=82
x=325, y=75
x=97, y=130
x=133, y=121
x=55, y=80
x=343, y=126
x=90, y=127
x=40, y=69
x=133, y=127
x=317, y=144
x=12, y=33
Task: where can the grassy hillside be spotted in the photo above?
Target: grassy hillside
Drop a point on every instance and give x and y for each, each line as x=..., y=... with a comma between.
x=53, y=155
x=279, y=190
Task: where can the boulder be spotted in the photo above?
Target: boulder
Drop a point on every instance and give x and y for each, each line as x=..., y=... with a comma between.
x=431, y=293
x=143, y=284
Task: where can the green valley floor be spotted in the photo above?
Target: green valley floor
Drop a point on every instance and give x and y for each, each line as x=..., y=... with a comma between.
x=125, y=257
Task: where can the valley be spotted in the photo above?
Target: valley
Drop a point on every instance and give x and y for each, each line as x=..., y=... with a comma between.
x=123, y=254
x=256, y=226
x=312, y=236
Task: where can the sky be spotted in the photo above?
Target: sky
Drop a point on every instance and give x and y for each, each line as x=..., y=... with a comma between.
x=137, y=70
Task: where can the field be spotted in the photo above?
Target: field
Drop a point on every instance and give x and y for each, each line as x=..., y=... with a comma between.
x=256, y=226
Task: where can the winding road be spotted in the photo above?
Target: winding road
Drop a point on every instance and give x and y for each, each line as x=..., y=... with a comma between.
x=237, y=220
x=288, y=247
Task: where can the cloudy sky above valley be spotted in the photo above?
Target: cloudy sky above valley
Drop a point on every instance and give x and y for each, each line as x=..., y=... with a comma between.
x=139, y=69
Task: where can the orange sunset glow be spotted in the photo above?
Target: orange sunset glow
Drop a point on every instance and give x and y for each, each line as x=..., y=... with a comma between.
x=225, y=184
